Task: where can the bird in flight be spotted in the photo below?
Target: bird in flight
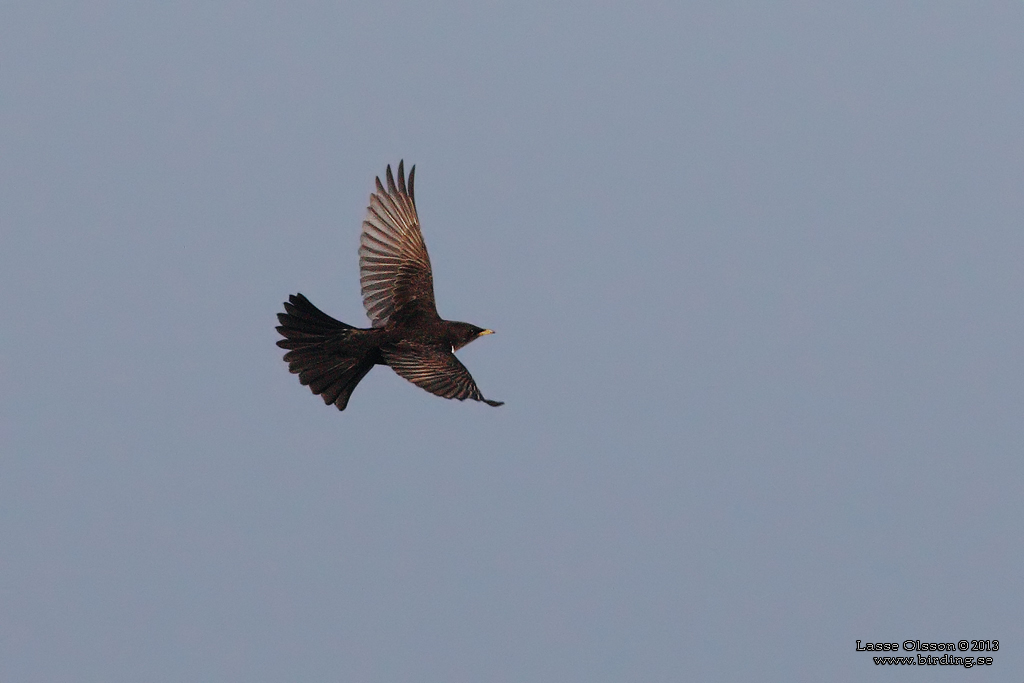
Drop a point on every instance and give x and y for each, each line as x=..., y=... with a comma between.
x=331, y=357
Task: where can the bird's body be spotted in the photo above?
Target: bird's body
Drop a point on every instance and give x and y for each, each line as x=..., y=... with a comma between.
x=332, y=357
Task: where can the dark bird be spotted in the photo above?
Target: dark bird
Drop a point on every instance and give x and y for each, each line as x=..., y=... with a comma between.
x=331, y=357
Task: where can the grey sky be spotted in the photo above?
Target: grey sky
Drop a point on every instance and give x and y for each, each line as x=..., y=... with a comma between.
x=756, y=275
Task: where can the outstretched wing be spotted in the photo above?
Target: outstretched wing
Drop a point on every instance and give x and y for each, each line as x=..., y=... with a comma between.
x=394, y=269
x=436, y=370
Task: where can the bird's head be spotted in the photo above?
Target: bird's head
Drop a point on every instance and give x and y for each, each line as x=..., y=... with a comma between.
x=464, y=333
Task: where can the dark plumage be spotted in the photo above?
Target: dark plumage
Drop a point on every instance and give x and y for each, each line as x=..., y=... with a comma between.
x=331, y=357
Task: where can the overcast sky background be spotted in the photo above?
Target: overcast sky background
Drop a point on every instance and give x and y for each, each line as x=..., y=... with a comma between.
x=757, y=275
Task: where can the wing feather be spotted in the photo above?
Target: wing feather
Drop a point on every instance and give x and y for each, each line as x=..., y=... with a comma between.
x=436, y=370
x=394, y=268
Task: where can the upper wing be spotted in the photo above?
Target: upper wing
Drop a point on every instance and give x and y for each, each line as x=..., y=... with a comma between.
x=435, y=370
x=394, y=269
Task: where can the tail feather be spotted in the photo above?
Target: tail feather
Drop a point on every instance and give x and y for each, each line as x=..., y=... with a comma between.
x=302, y=322
x=339, y=390
x=318, y=352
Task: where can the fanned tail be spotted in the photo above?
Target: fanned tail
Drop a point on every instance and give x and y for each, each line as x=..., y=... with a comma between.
x=322, y=351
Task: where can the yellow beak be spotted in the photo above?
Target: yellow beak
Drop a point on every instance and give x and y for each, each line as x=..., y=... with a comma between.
x=485, y=332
